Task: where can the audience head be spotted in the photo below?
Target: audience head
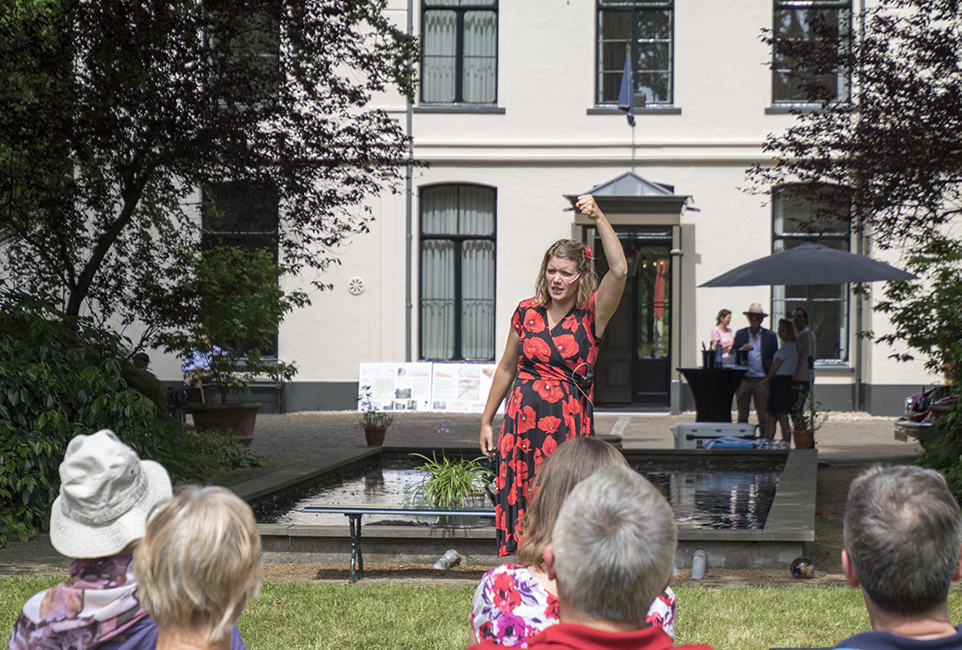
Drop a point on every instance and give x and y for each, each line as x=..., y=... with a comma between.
x=568, y=249
x=573, y=461
x=800, y=318
x=198, y=562
x=613, y=547
x=722, y=314
x=755, y=315
x=786, y=331
x=106, y=494
x=902, y=535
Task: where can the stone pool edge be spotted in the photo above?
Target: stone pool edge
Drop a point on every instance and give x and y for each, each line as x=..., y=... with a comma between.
x=788, y=533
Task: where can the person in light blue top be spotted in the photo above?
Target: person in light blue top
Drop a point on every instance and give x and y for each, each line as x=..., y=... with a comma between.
x=199, y=368
x=781, y=395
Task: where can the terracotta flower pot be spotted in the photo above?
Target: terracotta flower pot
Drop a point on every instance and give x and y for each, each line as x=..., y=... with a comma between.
x=374, y=436
x=804, y=439
x=238, y=418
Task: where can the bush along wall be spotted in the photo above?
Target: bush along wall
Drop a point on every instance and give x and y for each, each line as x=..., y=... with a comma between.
x=942, y=445
x=62, y=377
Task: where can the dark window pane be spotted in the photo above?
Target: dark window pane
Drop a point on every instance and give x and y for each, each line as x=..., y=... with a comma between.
x=655, y=86
x=653, y=56
x=654, y=25
x=615, y=25
x=240, y=207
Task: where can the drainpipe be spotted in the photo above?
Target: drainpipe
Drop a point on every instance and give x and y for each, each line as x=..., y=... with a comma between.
x=859, y=249
x=408, y=211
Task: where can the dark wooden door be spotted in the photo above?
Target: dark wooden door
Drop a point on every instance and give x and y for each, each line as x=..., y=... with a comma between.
x=634, y=366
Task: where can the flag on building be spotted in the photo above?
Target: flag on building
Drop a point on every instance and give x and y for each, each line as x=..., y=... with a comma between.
x=626, y=96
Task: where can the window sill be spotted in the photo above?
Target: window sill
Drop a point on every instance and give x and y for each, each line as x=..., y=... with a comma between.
x=487, y=109
x=829, y=368
x=647, y=110
x=805, y=107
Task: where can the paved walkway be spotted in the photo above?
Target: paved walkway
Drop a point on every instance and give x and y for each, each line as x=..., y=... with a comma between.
x=301, y=437
x=295, y=438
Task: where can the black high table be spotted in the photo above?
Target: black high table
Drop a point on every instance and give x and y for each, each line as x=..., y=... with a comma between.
x=714, y=389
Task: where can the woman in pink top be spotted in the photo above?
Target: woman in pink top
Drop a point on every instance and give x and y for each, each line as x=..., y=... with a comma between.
x=722, y=333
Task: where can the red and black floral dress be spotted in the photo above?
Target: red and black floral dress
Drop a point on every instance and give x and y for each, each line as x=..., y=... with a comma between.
x=545, y=407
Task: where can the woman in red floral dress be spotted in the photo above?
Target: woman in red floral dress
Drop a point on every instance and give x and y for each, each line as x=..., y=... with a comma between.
x=552, y=348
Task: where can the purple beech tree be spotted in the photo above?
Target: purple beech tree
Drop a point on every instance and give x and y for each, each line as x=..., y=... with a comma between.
x=892, y=152
x=117, y=111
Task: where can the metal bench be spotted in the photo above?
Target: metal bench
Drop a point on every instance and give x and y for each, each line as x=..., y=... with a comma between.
x=354, y=514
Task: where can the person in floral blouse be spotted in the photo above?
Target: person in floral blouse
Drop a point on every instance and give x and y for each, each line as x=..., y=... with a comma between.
x=612, y=552
x=548, y=364
x=515, y=602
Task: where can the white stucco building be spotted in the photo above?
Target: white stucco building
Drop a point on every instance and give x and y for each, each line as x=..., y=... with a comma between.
x=517, y=109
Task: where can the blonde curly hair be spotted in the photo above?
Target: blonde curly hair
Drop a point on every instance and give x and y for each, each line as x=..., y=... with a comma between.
x=577, y=252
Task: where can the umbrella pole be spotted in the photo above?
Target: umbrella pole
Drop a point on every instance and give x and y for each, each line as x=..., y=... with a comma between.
x=811, y=366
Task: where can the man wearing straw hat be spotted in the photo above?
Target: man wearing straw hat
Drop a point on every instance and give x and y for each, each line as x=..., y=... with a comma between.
x=761, y=345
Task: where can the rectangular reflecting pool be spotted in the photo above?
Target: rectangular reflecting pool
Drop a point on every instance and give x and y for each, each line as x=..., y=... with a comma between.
x=709, y=493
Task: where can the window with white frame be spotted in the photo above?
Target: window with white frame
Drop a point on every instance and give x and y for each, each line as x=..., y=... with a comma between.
x=459, y=40
x=820, y=30
x=457, y=272
x=647, y=27
x=819, y=215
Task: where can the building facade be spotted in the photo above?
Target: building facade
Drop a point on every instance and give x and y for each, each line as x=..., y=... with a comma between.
x=517, y=110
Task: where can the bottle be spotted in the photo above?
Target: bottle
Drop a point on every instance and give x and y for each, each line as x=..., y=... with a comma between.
x=718, y=355
x=698, y=564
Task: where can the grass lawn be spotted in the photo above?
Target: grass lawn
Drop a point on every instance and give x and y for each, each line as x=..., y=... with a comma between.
x=291, y=616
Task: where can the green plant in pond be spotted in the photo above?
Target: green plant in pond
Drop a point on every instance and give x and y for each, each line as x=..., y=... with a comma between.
x=451, y=482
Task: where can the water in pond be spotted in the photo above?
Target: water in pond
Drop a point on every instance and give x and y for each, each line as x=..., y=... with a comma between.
x=703, y=497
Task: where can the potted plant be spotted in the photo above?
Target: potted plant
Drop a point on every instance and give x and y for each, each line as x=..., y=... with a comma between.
x=373, y=421
x=453, y=484
x=238, y=306
x=805, y=422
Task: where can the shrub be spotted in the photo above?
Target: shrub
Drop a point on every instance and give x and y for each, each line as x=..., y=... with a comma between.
x=942, y=446
x=60, y=377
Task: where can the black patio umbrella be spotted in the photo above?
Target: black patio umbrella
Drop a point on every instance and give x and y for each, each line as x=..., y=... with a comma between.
x=809, y=264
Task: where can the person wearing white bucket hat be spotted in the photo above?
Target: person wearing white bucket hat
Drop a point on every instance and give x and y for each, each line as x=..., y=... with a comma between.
x=106, y=497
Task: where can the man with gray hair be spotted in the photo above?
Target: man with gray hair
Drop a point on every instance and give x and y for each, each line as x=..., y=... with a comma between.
x=612, y=553
x=902, y=543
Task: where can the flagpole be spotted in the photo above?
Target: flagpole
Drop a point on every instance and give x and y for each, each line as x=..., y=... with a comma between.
x=626, y=98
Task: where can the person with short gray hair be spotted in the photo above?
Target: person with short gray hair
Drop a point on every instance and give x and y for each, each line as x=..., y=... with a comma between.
x=612, y=552
x=903, y=548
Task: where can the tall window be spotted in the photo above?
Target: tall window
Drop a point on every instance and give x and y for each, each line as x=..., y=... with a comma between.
x=243, y=214
x=457, y=272
x=648, y=29
x=798, y=218
x=817, y=32
x=460, y=44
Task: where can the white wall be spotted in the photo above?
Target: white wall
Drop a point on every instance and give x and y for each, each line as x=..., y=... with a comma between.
x=545, y=144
